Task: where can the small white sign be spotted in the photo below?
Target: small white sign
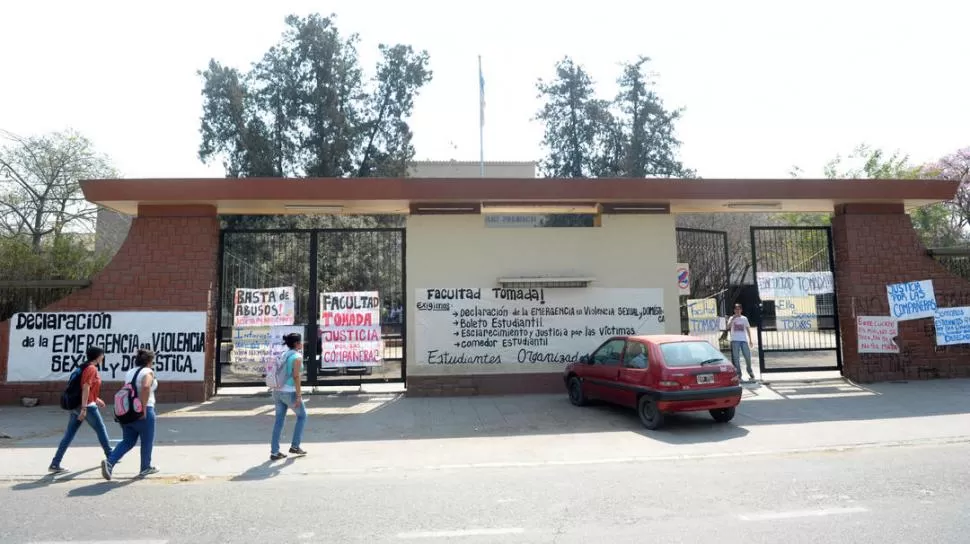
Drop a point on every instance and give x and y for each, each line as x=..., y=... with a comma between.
x=911, y=300
x=47, y=346
x=683, y=279
x=952, y=326
x=264, y=307
x=877, y=334
x=772, y=285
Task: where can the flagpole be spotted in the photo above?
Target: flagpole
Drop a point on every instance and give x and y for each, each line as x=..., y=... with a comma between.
x=481, y=118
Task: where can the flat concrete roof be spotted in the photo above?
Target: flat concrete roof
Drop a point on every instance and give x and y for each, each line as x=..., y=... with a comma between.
x=271, y=196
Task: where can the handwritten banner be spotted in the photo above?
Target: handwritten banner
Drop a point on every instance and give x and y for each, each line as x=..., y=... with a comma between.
x=702, y=316
x=47, y=346
x=952, y=326
x=877, y=334
x=911, y=300
x=253, y=347
x=350, y=325
x=541, y=328
x=772, y=285
x=796, y=314
x=263, y=307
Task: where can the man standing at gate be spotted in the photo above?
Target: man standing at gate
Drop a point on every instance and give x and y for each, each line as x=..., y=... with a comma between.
x=740, y=341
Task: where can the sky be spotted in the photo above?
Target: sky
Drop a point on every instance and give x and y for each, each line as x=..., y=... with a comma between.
x=765, y=85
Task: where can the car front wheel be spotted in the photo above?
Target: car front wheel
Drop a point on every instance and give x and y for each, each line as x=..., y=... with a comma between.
x=723, y=415
x=651, y=417
x=576, y=395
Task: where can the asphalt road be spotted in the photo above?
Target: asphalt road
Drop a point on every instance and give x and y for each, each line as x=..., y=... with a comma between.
x=882, y=495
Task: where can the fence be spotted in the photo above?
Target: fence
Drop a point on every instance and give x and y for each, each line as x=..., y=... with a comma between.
x=955, y=259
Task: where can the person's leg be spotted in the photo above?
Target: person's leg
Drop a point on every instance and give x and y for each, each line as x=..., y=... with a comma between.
x=274, y=447
x=735, y=357
x=147, y=439
x=300, y=412
x=96, y=422
x=72, y=426
x=746, y=350
x=129, y=435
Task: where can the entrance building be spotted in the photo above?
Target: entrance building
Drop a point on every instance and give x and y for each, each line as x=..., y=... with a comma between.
x=491, y=286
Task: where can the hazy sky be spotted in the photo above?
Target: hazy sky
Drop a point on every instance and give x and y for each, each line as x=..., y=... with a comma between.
x=765, y=87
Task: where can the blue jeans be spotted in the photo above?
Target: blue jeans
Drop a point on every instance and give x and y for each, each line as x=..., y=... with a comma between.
x=94, y=420
x=284, y=401
x=738, y=349
x=143, y=429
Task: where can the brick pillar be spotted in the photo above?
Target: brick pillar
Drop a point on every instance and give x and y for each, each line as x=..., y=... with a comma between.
x=876, y=245
x=168, y=262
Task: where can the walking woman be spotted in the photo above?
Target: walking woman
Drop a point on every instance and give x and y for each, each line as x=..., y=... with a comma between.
x=289, y=396
x=88, y=410
x=143, y=376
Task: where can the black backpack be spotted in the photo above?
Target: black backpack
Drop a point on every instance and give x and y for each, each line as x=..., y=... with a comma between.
x=71, y=397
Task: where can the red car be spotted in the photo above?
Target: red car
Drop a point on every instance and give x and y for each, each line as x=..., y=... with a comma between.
x=657, y=375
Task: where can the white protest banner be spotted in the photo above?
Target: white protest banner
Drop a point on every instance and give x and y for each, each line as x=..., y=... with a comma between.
x=264, y=307
x=350, y=324
x=702, y=316
x=796, y=314
x=877, y=334
x=952, y=326
x=542, y=328
x=911, y=300
x=773, y=285
x=253, y=347
x=683, y=279
x=47, y=346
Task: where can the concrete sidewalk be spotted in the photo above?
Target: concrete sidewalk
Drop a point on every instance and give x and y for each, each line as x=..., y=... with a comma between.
x=228, y=437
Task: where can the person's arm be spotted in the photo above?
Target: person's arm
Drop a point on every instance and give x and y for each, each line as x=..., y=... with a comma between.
x=297, y=375
x=146, y=391
x=750, y=341
x=85, y=392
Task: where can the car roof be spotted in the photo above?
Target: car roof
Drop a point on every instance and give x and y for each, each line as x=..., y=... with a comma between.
x=666, y=338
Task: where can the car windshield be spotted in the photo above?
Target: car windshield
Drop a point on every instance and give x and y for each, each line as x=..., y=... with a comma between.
x=689, y=353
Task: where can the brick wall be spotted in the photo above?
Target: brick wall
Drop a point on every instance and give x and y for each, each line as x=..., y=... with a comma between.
x=876, y=245
x=168, y=262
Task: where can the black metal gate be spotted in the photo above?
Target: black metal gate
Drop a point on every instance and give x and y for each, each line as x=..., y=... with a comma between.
x=316, y=261
x=706, y=253
x=794, y=270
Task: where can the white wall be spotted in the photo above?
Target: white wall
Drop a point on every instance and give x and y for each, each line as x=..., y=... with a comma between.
x=632, y=251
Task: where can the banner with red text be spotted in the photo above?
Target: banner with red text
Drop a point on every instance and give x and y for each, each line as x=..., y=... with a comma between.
x=264, y=307
x=350, y=329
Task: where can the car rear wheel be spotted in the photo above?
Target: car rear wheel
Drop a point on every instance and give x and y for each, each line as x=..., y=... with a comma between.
x=576, y=395
x=723, y=415
x=651, y=417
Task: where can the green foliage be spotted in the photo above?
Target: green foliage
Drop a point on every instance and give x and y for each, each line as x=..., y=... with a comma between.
x=63, y=258
x=585, y=136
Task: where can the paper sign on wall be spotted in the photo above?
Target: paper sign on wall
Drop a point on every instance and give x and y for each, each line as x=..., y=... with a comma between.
x=952, y=326
x=683, y=279
x=877, y=334
x=773, y=285
x=47, y=346
x=796, y=314
x=911, y=300
x=350, y=327
x=541, y=328
x=702, y=316
x=253, y=347
x=263, y=307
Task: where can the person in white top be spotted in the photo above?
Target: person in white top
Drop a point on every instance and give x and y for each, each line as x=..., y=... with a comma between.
x=143, y=376
x=740, y=330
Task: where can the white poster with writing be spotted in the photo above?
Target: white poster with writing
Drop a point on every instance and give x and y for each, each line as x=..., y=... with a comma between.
x=772, y=285
x=702, y=316
x=796, y=314
x=911, y=300
x=264, y=307
x=540, y=329
x=47, y=346
x=253, y=347
x=877, y=334
x=952, y=326
x=350, y=325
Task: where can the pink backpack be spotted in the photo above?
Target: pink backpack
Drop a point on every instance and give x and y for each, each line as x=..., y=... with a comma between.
x=127, y=405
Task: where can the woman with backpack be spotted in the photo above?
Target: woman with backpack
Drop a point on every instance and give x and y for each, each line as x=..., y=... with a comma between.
x=142, y=377
x=87, y=380
x=287, y=395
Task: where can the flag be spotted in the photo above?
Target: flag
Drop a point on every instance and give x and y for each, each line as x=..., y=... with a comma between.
x=481, y=93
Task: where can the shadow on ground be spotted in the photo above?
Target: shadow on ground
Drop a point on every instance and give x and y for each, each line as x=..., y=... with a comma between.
x=355, y=418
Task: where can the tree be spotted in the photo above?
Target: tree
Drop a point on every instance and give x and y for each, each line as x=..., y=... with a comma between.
x=40, y=197
x=947, y=224
x=306, y=108
x=585, y=136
